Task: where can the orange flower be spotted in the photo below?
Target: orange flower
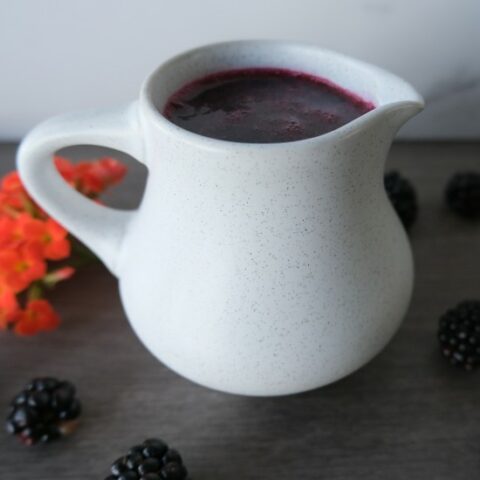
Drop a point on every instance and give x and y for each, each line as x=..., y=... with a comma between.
x=91, y=177
x=29, y=239
x=11, y=203
x=12, y=183
x=13, y=231
x=8, y=231
x=37, y=316
x=21, y=266
x=49, y=236
x=87, y=181
x=14, y=198
x=66, y=168
x=107, y=171
x=8, y=306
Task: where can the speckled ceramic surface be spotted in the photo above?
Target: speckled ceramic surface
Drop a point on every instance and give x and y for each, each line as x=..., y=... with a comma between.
x=259, y=269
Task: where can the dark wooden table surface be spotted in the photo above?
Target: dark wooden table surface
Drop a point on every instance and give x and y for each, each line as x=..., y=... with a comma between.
x=406, y=415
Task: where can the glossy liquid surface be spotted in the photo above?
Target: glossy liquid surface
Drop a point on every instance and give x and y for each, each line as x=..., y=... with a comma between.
x=263, y=105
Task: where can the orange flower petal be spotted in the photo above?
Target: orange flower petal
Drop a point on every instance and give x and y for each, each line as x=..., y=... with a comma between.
x=65, y=168
x=38, y=316
x=12, y=183
x=11, y=202
x=57, y=250
x=21, y=267
x=25, y=328
x=8, y=306
x=7, y=232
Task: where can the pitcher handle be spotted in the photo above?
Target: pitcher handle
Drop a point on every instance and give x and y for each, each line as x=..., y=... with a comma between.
x=101, y=228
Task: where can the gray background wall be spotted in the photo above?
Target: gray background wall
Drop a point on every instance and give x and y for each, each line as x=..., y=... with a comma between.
x=60, y=55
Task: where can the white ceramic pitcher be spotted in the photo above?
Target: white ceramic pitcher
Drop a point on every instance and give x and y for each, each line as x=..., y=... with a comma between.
x=259, y=269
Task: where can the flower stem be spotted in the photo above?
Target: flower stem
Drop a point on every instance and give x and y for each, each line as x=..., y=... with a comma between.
x=35, y=291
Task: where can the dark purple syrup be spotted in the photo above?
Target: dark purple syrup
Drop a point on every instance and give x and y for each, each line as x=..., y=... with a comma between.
x=263, y=105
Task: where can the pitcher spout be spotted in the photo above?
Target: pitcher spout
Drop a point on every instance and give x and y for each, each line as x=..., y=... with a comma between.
x=396, y=114
x=396, y=100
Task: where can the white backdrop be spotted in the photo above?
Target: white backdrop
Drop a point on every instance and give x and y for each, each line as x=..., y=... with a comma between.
x=59, y=55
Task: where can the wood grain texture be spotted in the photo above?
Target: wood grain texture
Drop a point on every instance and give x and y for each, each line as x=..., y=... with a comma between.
x=407, y=414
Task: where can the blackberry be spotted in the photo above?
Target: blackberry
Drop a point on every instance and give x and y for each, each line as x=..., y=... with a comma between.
x=152, y=460
x=462, y=194
x=43, y=411
x=403, y=197
x=459, y=335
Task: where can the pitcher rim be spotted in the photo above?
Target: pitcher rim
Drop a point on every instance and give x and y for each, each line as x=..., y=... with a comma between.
x=415, y=101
